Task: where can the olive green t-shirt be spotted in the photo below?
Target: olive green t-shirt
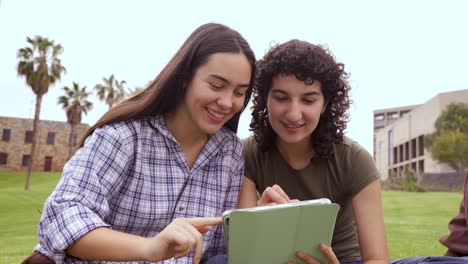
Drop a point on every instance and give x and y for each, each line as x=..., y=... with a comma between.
x=339, y=178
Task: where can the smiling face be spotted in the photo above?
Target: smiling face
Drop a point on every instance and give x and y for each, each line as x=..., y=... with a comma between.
x=216, y=92
x=294, y=108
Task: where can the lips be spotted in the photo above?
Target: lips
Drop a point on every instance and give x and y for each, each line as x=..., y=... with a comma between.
x=216, y=115
x=293, y=125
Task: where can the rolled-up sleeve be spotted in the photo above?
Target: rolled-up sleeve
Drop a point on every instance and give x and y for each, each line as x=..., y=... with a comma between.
x=80, y=202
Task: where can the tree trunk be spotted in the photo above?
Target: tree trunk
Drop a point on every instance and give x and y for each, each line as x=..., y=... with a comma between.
x=72, y=140
x=34, y=140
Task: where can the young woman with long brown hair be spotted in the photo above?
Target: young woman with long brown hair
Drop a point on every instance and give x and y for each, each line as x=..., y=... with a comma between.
x=158, y=169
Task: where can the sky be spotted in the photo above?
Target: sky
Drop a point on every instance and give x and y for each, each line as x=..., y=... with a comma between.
x=398, y=52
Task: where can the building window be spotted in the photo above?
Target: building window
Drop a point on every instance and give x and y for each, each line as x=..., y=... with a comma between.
x=3, y=158
x=393, y=115
x=51, y=138
x=407, y=149
x=402, y=113
x=391, y=156
x=401, y=157
x=421, y=145
x=28, y=137
x=26, y=159
x=414, y=167
x=413, y=148
x=6, y=134
x=379, y=117
x=421, y=167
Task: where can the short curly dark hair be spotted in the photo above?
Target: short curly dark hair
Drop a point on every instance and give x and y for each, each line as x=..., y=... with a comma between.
x=308, y=62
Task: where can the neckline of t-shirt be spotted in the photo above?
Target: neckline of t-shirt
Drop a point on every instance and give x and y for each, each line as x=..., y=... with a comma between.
x=311, y=164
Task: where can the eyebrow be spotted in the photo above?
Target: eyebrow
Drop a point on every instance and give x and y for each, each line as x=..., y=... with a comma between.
x=221, y=78
x=277, y=90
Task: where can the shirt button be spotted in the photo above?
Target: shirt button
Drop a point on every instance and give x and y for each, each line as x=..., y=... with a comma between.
x=181, y=208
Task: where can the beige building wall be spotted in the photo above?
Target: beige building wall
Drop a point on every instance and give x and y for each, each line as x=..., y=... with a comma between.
x=400, y=145
x=15, y=148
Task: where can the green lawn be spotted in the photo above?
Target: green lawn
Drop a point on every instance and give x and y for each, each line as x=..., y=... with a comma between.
x=20, y=212
x=414, y=221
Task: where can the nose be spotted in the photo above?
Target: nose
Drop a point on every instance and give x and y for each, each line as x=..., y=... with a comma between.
x=294, y=113
x=225, y=100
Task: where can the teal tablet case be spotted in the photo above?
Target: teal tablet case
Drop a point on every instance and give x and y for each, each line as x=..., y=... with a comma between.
x=272, y=234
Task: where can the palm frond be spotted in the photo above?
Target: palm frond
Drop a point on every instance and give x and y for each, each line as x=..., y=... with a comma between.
x=39, y=63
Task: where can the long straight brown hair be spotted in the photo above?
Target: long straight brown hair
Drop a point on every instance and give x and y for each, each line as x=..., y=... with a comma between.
x=169, y=87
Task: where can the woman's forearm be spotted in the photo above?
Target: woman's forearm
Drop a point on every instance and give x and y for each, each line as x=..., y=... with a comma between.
x=376, y=262
x=110, y=245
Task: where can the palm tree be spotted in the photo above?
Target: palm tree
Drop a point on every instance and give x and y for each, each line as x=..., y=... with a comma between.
x=74, y=102
x=137, y=89
x=111, y=91
x=131, y=92
x=40, y=65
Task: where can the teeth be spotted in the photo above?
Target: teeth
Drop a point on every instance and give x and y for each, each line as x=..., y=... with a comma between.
x=215, y=114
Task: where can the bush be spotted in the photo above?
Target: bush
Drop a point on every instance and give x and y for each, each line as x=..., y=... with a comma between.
x=408, y=184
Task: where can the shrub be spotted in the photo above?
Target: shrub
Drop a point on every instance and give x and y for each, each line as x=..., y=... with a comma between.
x=410, y=182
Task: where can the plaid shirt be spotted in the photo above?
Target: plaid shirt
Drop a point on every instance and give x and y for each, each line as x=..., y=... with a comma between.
x=132, y=176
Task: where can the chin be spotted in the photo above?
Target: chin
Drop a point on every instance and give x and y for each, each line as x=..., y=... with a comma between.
x=292, y=139
x=210, y=129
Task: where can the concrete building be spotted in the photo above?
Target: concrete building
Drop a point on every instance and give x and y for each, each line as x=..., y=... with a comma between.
x=399, y=137
x=385, y=117
x=51, y=150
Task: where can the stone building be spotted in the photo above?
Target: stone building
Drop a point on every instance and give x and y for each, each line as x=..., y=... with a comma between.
x=52, y=147
x=399, y=138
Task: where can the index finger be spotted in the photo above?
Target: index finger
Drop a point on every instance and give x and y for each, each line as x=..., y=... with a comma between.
x=281, y=192
x=204, y=221
x=271, y=195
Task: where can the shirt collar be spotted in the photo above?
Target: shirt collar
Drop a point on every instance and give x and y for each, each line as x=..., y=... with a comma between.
x=159, y=123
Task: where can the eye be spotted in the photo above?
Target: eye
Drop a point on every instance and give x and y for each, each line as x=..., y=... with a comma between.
x=215, y=86
x=239, y=94
x=280, y=98
x=309, y=101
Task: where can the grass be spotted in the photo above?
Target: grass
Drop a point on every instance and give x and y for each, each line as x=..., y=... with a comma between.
x=414, y=221
x=20, y=212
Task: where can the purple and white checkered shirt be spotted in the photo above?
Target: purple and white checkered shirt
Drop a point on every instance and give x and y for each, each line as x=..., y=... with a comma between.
x=132, y=176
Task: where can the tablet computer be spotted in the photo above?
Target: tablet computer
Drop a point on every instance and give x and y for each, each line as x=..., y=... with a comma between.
x=273, y=233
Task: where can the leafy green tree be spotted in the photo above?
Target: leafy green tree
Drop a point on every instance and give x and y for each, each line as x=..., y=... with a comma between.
x=449, y=143
x=454, y=117
x=75, y=103
x=39, y=63
x=111, y=91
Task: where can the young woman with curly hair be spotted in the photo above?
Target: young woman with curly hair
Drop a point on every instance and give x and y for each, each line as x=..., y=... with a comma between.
x=298, y=150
